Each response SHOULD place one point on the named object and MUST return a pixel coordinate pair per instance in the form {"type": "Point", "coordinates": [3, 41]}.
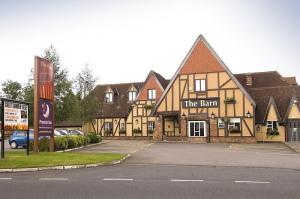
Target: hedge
{"type": "Point", "coordinates": [68, 142]}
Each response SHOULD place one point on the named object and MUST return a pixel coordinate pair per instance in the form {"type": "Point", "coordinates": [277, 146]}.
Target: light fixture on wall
{"type": "Point", "coordinates": [137, 121]}
{"type": "Point", "coordinates": [258, 128]}
{"type": "Point", "coordinates": [116, 121]}
{"type": "Point", "coordinates": [183, 116]}
{"type": "Point", "coordinates": [212, 115]}
{"type": "Point", "coordinates": [248, 114]}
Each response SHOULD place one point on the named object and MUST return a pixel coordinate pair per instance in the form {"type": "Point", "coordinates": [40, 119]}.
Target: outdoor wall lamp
{"type": "Point", "coordinates": [248, 114]}
{"type": "Point", "coordinates": [115, 121]}
{"type": "Point", "coordinates": [258, 128]}
{"type": "Point", "coordinates": [136, 121]}
{"type": "Point", "coordinates": [212, 115]}
{"type": "Point", "coordinates": [183, 116]}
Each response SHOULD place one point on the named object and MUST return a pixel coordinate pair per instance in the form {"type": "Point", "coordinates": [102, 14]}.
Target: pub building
{"type": "Point", "coordinates": [203, 102]}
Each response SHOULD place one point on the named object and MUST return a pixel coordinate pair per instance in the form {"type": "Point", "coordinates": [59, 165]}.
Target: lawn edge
{"type": "Point", "coordinates": [64, 167]}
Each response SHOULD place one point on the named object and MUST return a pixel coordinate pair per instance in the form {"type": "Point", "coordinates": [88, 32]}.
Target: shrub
{"type": "Point", "coordinates": [72, 142]}
{"type": "Point", "coordinates": [60, 143]}
{"type": "Point", "coordinates": [44, 144]}
{"type": "Point", "coordinates": [93, 138]}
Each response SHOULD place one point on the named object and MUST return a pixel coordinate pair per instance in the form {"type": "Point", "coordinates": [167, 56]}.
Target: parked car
{"type": "Point", "coordinates": [63, 132]}
{"type": "Point", "coordinates": [76, 132]}
{"type": "Point", "coordinates": [57, 133]}
{"type": "Point", "coordinates": [19, 138]}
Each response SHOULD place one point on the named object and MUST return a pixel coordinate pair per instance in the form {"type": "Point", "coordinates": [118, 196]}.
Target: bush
{"type": "Point", "coordinates": [72, 142]}
{"type": "Point", "coordinates": [67, 142]}
{"type": "Point", "coordinates": [60, 143]}
{"type": "Point", "coordinates": [44, 144]}
{"type": "Point", "coordinates": [93, 138]}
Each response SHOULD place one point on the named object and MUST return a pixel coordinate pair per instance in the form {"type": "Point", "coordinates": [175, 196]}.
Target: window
{"type": "Point", "coordinates": [108, 97]}
{"type": "Point", "coordinates": [249, 80]}
{"type": "Point", "coordinates": [234, 125]}
{"type": "Point", "coordinates": [108, 126]}
{"type": "Point", "coordinates": [197, 129]}
{"type": "Point", "coordinates": [271, 125]}
{"type": "Point", "coordinates": [221, 124]}
{"type": "Point", "coordinates": [122, 126]}
{"type": "Point", "coordinates": [200, 85]}
{"type": "Point", "coordinates": [131, 96]}
{"type": "Point", "coordinates": [151, 94]}
{"type": "Point", "coordinates": [150, 126]}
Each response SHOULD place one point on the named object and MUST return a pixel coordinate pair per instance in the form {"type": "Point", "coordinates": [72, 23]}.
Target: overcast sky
{"type": "Point", "coordinates": [123, 40]}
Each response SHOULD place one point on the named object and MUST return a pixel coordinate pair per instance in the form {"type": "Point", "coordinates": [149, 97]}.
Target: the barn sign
{"type": "Point", "coordinates": [201, 103]}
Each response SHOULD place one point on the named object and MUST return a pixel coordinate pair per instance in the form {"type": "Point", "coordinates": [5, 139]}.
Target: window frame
{"type": "Point", "coordinates": [152, 126]}
{"type": "Point", "coordinates": [109, 99]}
{"type": "Point", "coordinates": [221, 124]}
{"type": "Point", "coordinates": [199, 122]}
{"type": "Point", "coordinates": [200, 85]}
{"type": "Point", "coordinates": [131, 96]}
{"type": "Point", "coordinates": [270, 125]}
{"type": "Point", "coordinates": [110, 126]}
{"type": "Point", "coordinates": [151, 94]}
{"type": "Point", "coordinates": [233, 125]}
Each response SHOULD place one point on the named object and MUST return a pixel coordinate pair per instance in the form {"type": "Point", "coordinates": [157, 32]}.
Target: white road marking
{"type": "Point", "coordinates": [185, 180]}
{"type": "Point", "coordinates": [254, 182]}
{"type": "Point", "coordinates": [53, 179]}
{"type": "Point", "coordinates": [5, 178]}
{"type": "Point", "coordinates": [117, 179]}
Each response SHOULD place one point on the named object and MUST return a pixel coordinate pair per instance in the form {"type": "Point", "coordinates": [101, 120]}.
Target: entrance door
{"type": "Point", "coordinates": [197, 129]}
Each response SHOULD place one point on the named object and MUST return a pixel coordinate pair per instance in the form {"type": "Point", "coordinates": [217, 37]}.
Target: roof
{"type": "Point", "coordinates": [263, 79]}
{"type": "Point", "coordinates": [121, 106]}
{"type": "Point", "coordinates": [220, 63]}
{"type": "Point", "coordinates": [270, 88]}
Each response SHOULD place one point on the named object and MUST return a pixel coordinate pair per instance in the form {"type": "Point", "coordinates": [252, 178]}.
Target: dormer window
{"type": "Point", "coordinates": [272, 125]}
{"type": "Point", "coordinates": [151, 94]}
{"type": "Point", "coordinates": [131, 96]}
{"type": "Point", "coordinates": [109, 97]}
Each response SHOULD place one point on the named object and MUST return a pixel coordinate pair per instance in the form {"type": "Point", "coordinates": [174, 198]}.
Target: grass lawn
{"type": "Point", "coordinates": [18, 159]}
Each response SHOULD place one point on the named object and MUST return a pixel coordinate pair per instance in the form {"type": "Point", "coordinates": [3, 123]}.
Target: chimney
{"type": "Point", "coordinates": [249, 80]}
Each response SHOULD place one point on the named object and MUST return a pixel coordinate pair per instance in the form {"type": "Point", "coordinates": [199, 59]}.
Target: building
{"type": "Point", "coordinates": [203, 102]}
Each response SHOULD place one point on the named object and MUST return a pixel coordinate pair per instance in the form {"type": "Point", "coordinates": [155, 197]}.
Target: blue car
{"type": "Point", "coordinates": [19, 138]}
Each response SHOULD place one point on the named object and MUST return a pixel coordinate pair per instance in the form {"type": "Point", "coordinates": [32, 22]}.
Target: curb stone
{"type": "Point", "coordinates": [65, 167]}
{"type": "Point", "coordinates": [82, 147]}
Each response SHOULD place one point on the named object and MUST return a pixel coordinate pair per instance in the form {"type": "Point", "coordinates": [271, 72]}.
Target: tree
{"type": "Point", "coordinates": [12, 90]}
{"type": "Point", "coordinates": [28, 96]}
{"type": "Point", "coordinates": [90, 105]}
{"type": "Point", "coordinates": [85, 82]}
{"type": "Point", "coordinates": [61, 84]}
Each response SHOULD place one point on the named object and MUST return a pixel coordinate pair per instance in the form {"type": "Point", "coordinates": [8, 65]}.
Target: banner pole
{"type": "Point", "coordinates": [36, 116]}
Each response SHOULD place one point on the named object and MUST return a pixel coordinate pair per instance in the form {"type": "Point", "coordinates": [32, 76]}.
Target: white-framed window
{"type": "Point", "coordinates": [234, 125]}
{"type": "Point", "coordinates": [151, 94]}
{"type": "Point", "coordinates": [131, 96]}
{"type": "Point", "coordinates": [221, 124]}
{"type": "Point", "coordinates": [200, 85]}
{"type": "Point", "coordinates": [197, 129]}
{"type": "Point", "coordinates": [151, 126]}
{"type": "Point", "coordinates": [271, 125]}
{"type": "Point", "coordinates": [108, 97]}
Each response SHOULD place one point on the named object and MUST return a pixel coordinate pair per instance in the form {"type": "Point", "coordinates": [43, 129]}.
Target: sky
{"type": "Point", "coordinates": [122, 41]}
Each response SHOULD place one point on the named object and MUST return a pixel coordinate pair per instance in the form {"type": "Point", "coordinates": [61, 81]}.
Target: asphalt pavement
{"type": "Point", "coordinates": [153, 181]}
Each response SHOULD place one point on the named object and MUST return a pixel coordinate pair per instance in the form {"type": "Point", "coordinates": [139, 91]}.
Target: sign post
{"type": "Point", "coordinates": [14, 117]}
{"type": "Point", "coordinates": [43, 101]}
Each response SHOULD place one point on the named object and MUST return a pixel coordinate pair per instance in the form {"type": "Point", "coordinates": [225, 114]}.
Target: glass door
{"type": "Point", "coordinates": [197, 129]}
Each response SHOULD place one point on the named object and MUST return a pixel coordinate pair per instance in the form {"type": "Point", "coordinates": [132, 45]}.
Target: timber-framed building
{"type": "Point", "coordinates": [203, 102]}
